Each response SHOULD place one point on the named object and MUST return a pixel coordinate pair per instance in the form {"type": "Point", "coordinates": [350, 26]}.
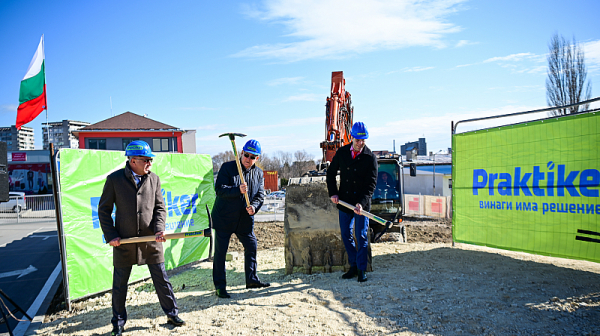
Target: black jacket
{"type": "Point", "coordinates": [358, 177]}
{"type": "Point", "coordinates": [229, 212]}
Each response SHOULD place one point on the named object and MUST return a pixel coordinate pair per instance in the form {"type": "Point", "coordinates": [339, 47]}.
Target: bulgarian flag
{"type": "Point", "coordinates": [32, 96]}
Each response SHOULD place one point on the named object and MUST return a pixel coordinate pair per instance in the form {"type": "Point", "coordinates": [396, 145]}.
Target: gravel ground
{"type": "Point", "coordinates": [422, 287]}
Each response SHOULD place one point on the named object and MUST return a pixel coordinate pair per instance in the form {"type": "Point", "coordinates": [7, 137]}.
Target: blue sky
{"type": "Point", "coordinates": [264, 68]}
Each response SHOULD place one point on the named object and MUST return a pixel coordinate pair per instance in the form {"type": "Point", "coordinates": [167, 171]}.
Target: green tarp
{"type": "Point", "coordinates": [187, 183]}
{"type": "Point", "coordinates": [530, 187]}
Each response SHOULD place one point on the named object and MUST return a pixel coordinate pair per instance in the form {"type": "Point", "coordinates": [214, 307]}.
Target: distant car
{"type": "Point", "coordinates": [276, 195]}
{"type": "Point", "coordinates": [16, 202]}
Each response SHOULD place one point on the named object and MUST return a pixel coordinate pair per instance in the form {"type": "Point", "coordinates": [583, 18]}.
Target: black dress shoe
{"type": "Point", "coordinates": [351, 273]}
{"type": "Point", "coordinates": [117, 331]}
{"type": "Point", "coordinates": [175, 320]}
{"type": "Point", "coordinates": [362, 276]}
{"type": "Point", "coordinates": [257, 285]}
{"type": "Point", "coordinates": [222, 293]}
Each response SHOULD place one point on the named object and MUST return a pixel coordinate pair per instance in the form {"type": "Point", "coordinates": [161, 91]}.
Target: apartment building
{"type": "Point", "coordinates": [17, 139]}
{"type": "Point", "coordinates": [60, 133]}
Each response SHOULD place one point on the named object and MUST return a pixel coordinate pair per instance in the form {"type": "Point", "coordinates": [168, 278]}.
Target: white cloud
{"type": "Point", "coordinates": [519, 63]}
{"type": "Point", "coordinates": [417, 69]}
{"type": "Point", "coordinates": [465, 65]}
{"type": "Point", "coordinates": [540, 69]}
{"type": "Point", "coordinates": [8, 108]}
{"type": "Point", "coordinates": [510, 58]}
{"type": "Point", "coordinates": [411, 69]}
{"type": "Point", "coordinates": [337, 29]}
{"type": "Point", "coordinates": [536, 64]}
{"type": "Point", "coordinates": [592, 55]}
{"type": "Point", "coordinates": [520, 88]}
{"type": "Point", "coordinates": [285, 80]}
{"type": "Point", "coordinates": [463, 43]}
{"type": "Point", "coordinates": [305, 97]}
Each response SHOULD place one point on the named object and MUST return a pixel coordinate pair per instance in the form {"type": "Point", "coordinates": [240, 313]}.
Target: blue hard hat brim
{"type": "Point", "coordinates": [361, 137]}
{"type": "Point", "coordinates": [252, 152]}
{"type": "Point", "coordinates": [148, 155]}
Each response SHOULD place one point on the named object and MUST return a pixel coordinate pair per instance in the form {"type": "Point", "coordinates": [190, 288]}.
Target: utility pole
{"type": "Point", "coordinates": [433, 174]}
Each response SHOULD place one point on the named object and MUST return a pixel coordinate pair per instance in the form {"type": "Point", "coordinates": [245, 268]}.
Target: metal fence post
{"type": "Point", "coordinates": [18, 209]}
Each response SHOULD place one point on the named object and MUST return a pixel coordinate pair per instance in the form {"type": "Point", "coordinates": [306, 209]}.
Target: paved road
{"type": "Point", "coordinates": [29, 254]}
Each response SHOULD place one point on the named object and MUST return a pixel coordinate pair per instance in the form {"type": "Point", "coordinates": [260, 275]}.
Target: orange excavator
{"type": "Point", "coordinates": [338, 114]}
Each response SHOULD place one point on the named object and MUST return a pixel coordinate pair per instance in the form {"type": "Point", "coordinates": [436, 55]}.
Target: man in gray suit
{"type": "Point", "coordinates": [136, 193]}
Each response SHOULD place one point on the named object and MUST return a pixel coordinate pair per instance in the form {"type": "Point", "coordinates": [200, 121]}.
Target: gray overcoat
{"type": "Point", "coordinates": [140, 212]}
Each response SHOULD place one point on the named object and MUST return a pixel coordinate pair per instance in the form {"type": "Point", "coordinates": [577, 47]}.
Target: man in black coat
{"type": "Point", "coordinates": [358, 177]}
{"type": "Point", "coordinates": [231, 215]}
{"type": "Point", "coordinates": [136, 193]}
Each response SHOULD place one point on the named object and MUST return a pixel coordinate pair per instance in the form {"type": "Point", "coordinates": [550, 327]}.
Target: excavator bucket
{"type": "Point", "coordinates": [313, 241]}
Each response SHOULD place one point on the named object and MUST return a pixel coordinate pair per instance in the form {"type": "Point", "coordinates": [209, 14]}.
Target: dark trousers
{"type": "Point", "coordinates": [163, 287]}
{"type": "Point", "coordinates": [358, 253]}
{"type": "Point", "coordinates": [248, 240]}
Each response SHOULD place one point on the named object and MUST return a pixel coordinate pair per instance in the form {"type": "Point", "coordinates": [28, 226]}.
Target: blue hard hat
{"type": "Point", "coordinates": [252, 147]}
{"type": "Point", "coordinates": [359, 131]}
{"type": "Point", "coordinates": [138, 148]}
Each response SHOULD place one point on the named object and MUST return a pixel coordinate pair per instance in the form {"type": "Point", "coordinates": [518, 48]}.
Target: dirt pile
{"type": "Point", "coordinates": [416, 289]}
{"type": "Point", "coordinates": [271, 234]}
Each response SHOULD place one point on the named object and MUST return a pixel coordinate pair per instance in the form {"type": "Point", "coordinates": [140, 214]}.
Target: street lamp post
{"type": "Point", "coordinates": [433, 174]}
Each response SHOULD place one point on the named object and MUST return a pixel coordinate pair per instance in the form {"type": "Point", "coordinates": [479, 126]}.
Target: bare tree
{"type": "Point", "coordinates": [303, 162]}
{"type": "Point", "coordinates": [267, 162]}
{"type": "Point", "coordinates": [285, 163]}
{"type": "Point", "coordinates": [567, 74]}
{"type": "Point", "coordinates": [221, 158]}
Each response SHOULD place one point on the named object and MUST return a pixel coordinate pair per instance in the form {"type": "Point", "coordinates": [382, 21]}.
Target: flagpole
{"type": "Point", "coordinates": [46, 106]}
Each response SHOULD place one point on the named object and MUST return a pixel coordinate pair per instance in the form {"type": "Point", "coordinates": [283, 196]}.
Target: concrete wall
{"type": "Point", "coordinates": [188, 139]}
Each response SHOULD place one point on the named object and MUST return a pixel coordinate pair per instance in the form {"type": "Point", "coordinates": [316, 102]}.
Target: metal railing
{"type": "Point", "coordinates": [272, 210]}
{"type": "Point", "coordinates": [22, 208]}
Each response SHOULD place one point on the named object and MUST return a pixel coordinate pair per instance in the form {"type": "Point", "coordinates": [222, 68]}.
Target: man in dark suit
{"type": "Point", "coordinates": [358, 177]}
{"type": "Point", "coordinates": [231, 215]}
{"type": "Point", "coordinates": [136, 193]}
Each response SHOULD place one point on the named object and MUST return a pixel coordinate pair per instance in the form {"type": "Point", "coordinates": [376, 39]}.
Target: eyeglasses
{"type": "Point", "coordinates": [252, 157]}
{"type": "Point", "coordinates": [145, 160]}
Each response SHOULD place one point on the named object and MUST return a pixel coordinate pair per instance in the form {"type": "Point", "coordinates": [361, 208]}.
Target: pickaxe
{"type": "Point", "coordinates": [237, 161]}
{"type": "Point", "coordinates": [387, 224]}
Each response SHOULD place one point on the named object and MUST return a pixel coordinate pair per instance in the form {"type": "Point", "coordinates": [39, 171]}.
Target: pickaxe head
{"type": "Point", "coordinates": [232, 135]}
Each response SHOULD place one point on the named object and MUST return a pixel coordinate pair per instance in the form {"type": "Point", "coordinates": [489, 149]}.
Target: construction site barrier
{"type": "Point", "coordinates": [428, 206]}
{"type": "Point", "coordinates": [272, 210]}
{"type": "Point", "coordinates": [27, 208]}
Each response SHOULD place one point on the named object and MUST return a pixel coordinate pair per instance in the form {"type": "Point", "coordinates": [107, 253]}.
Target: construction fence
{"type": "Point", "coordinates": [428, 206]}
{"type": "Point", "coordinates": [273, 210]}
{"type": "Point", "coordinates": [27, 208]}
{"type": "Point", "coordinates": [416, 205]}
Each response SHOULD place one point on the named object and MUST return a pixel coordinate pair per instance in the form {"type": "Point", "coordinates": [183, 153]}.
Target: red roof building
{"type": "Point", "coordinates": [117, 132]}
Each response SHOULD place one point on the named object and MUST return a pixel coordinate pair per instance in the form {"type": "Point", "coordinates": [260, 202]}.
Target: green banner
{"type": "Point", "coordinates": [530, 187]}
{"type": "Point", "coordinates": [187, 183]}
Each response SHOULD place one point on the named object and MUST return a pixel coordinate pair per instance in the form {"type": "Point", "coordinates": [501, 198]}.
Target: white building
{"type": "Point", "coordinates": [423, 183]}
{"type": "Point", "coordinates": [17, 139]}
{"type": "Point", "coordinates": [61, 133]}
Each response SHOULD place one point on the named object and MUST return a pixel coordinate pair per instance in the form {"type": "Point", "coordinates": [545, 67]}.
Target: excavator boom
{"type": "Point", "coordinates": [338, 114]}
